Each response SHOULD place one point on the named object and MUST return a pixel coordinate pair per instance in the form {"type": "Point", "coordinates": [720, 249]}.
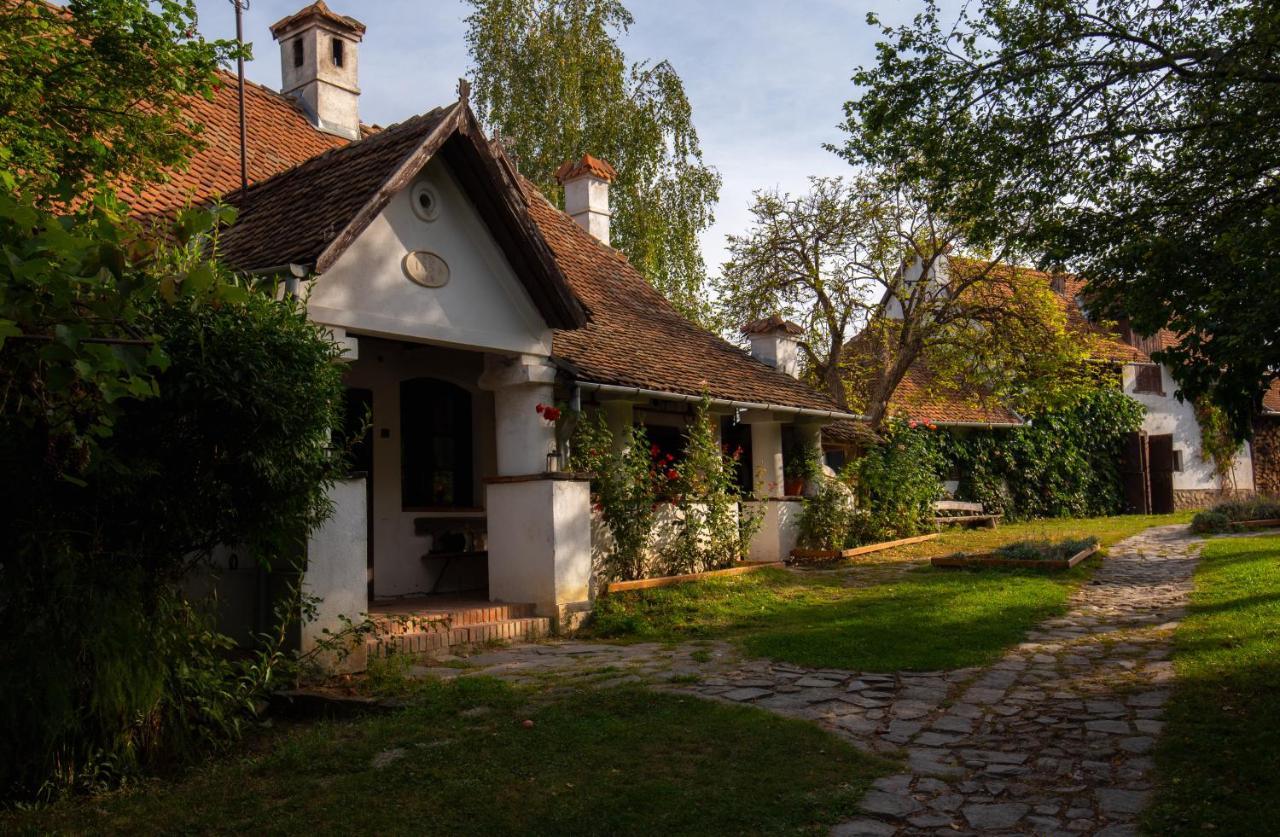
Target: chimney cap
{"type": "Point", "coordinates": [772, 324]}
{"type": "Point", "coordinates": [318, 9]}
{"type": "Point", "coordinates": [588, 165]}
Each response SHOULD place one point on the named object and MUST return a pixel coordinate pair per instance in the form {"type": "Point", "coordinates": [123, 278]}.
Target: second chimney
{"type": "Point", "coordinates": [586, 194]}
{"type": "Point", "coordinates": [318, 66]}
{"type": "Point", "coordinates": [775, 341]}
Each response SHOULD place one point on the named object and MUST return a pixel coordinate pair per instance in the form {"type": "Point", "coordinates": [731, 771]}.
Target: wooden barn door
{"type": "Point", "coordinates": [1160, 458]}
{"type": "Point", "coordinates": [1133, 475]}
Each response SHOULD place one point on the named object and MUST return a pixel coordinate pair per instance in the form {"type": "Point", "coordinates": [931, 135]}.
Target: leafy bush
{"type": "Point", "coordinates": [155, 408]}
{"type": "Point", "coordinates": [1258, 508]}
{"type": "Point", "coordinates": [827, 518]}
{"type": "Point", "coordinates": [1211, 523]}
{"type": "Point", "coordinates": [1043, 550]}
{"type": "Point", "coordinates": [1064, 464]}
{"type": "Point", "coordinates": [897, 481]}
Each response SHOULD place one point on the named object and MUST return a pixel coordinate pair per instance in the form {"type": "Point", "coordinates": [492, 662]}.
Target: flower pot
{"type": "Point", "coordinates": [793, 487]}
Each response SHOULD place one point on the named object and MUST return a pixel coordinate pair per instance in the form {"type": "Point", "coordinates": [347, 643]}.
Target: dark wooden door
{"type": "Point", "coordinates": [1160, 457]}
{"type": "Point", "coordinates": [1133, 475]}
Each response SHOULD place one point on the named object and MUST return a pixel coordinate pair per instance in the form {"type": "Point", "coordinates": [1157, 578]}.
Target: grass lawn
{"type": "Point", "coordinates": [459, 760]}
{"type": "Point", "coordinates": [921, 620]}
{"type": "Point", "coordinates": [1219, 758]}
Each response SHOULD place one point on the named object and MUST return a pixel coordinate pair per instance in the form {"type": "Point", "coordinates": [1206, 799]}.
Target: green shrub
{"type": "Point", "coordinates": [827, 518]}
{"type": "Point", "coordinates": [1211, 523]}
{"type": "Point", "coordinates": [198, 415]}
{"type": "Point", "coordinates": [1044, 550]}
{"type": "Point", "coordinates": [1258, 508]}
{"type": "Point", "coordinates": [897, 482]}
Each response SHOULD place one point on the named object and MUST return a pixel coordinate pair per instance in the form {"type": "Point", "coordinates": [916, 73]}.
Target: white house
{"type": "Point", "coordinates": [465, 299]}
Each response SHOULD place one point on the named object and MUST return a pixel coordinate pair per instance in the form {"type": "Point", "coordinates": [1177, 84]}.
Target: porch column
{"type": "Point", "coordinates": [777, 534]}
{"type": "Point", "coordinates": [539, 523]}
{"type": "Point", "coordinates": [619, 416]}
{"type": "Point", "coordinates": [810, 434]}
{"type": "Point", "coordinates": [337, 575]}
{"type": "Point", "coordinates": [519, 384]}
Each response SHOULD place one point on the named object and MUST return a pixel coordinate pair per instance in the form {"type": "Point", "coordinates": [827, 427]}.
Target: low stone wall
{"type": "Point", "coordinates": [1194, 499]}
{"type": "Point", "coordinates": [1266, 455]}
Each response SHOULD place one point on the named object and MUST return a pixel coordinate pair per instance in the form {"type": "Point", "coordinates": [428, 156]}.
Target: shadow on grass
{"type": "Point", "coordinates": [1219, 759]}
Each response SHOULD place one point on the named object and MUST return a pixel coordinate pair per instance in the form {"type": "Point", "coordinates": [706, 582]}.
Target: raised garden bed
{"type": "Point", "coordinates": [1005, 557]}
{"type": "Point", "coordinates": [668, 580]}
{"type": "Point", "coordinates": [798, 555]}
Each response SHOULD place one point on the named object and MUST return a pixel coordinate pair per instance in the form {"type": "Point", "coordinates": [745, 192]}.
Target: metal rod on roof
{"type": "Point", "coordinates": [241, 5]}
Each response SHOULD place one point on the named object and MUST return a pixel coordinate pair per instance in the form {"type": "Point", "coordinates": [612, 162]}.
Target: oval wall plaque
{"type": "Point", "coordinates": [426, 269]}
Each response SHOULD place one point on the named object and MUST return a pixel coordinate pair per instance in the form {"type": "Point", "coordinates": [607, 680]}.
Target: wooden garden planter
{"type": "Point", "coordinates": [668, 580]}
{"type": "Point", "coordinates": [992, 559]}
{"type": "Point", "coordinates": [834, 554]}
{"type": "Point", "coordinates": [1258, 524]}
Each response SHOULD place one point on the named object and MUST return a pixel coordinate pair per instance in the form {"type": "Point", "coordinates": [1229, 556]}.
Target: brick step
{"type": "Point", "coordinates": [440, 639]}
{"type": "Point", "coordinates": [393, 624]}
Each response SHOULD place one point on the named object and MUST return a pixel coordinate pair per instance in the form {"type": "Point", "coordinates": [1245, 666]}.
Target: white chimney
{"type": "Point", "coordinates": [318, 66]}
{"type": "Point", "coordinates": [586, 193]}
{"type": "Point", "coordinates": [775, 341]}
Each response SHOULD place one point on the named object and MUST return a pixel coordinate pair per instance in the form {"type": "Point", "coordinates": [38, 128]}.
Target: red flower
{"type": "Point", "coordinates": [551, 413]}
{"type": "Point", "coordinates": [540, 408]}
{"type": "Point", "coordinates": [671, 458]}
{"type": "Point", "coordinates": [654, 450]}
{"type": "Point", "coordinates": [911, 424]}
{"type": "Point", "coordinates": [932, 426]}
{"type": "Point", "coordinates": [673, 474]}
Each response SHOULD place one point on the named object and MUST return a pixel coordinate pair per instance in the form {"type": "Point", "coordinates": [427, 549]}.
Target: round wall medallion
{"type": "Point", "coordinates": [426, 269]}
{"type": "Point", "coordinates": [424, 201]}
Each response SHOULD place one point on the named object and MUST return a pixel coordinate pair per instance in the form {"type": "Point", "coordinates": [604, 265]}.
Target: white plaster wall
{"type": "Point", "coordinates": [483, 306]}
{"type": "Point", "coordinates": [1166, 414]}
{"type": "Point", "coordinates": [336, 569]}
{"type": "Point", "coordinates": [382, 366]}
{"type": "Point", "coordinates": [540, 543]}
{"type": "Point", "coordinates": [779, 529]}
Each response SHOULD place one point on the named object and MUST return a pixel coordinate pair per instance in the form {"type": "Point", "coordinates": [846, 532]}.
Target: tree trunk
{"type": "Point", "coordinates": [886, 384]}
{"type": "Point", "coordinates": [832, 376]}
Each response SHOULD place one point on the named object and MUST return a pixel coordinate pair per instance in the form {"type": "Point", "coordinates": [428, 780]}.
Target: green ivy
{"type": "Point", "coordinates": [1065, 463]}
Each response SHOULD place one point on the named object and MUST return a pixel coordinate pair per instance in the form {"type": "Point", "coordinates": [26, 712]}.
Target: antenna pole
{"type": "Point", "coordinates": [241, 5]}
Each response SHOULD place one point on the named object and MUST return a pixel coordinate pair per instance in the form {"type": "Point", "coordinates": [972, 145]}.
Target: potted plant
{"type": "Point", "coordinates": [800, 465]}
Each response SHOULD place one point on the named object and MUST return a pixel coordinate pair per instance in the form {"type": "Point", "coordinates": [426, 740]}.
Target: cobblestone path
{"type": "Point", "coordinates": [1055, 738]}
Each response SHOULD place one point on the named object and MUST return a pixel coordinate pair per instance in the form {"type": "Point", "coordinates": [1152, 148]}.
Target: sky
{"type": "Point", "coordinates": [766, 78]}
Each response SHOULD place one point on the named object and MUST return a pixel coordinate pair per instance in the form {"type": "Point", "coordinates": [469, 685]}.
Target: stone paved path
{"type": "Point", "coordinates": [1055, 738]}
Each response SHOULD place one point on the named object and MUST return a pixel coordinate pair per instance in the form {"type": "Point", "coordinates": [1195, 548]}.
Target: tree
{"type": "Point", "coordinates": [868, 256]}
{"type": "Point", "coordinates": [91, 93]}
{"type": "Point", "coordinates": [550, 79]}
{"type": "Point", "coordinates": [1134, 142]}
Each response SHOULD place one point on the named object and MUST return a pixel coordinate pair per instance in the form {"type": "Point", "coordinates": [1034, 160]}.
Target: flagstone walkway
{"type": "Point", "coordinates": [1055, 738]}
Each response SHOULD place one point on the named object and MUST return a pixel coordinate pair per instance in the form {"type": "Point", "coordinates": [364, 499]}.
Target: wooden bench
{"type": "Point", "coordinates": [956, 512]}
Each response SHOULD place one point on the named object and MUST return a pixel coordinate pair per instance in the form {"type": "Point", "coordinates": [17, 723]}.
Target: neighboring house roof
{"type": "Point", "coordinates": [279, 137]}
{"type": "Point", "coordinates": [1106, 344]}
{"type": "Point", "coordinates": [1271, 399]}
{"type": "Point", "coordinates": [297, 208]}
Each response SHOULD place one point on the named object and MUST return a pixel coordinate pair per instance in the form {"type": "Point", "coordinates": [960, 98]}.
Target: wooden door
{"type": "Point", "coordinates": [1160, 457]}
{"type": "Point", "coordinates": [1133, 475]}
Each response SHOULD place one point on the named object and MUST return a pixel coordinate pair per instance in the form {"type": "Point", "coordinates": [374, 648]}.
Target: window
{"type": "Point", "coordinates": [1149, 380]}
{"type": "Point", "coordinates": [435, 445]}
{"type": "Point", "coordinates": [1177, 462]}
{"type": "Point", "coordinates": [297, 52]}
{"type": "Point", "coordinates": [336, 47]}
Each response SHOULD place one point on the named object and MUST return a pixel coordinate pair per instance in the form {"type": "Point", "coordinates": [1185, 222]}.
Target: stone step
{"type": "Point", "coordinates": [394, 624]}
{"type": "Point", "coordinates": [442, 638]}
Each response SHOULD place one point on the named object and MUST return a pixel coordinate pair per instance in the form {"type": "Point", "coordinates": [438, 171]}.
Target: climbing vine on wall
{"type": "Point", "coordinates": [1065, 463]}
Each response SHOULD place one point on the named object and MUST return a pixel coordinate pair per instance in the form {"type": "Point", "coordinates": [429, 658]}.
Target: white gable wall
{"type": "Point", "coordinates": [483, 306]}
{"type": "Point", "coordinates": [1166, 414]}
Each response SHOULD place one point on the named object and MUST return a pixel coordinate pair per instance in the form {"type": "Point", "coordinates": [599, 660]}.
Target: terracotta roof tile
{"type": "Point", "coordinates": [1271, 398]}
{"type": "Point", "coordinates": [280, 137]}
{"type": "Point", "coordinates": [770, 324]}
{"type": "Point", "coordinates": [320, 10]}
{"type": "Point", "coordinates": [587, 165]}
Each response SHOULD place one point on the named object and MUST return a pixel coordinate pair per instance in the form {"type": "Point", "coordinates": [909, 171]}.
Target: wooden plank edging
{"type": "Point", "coordinates": [1258, 524]}
{"type": "Point", "coordinates": [860, 550]}
{"type": "Point", "coordinates": [992, 559]}
{"type": "Point", "coordinates": [668, 580]}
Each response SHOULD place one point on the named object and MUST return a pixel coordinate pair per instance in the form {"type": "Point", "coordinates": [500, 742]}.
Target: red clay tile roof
{"type": "Point", "coordinates": [770, 324]}
{"type": "Point", "coordinates": [637, 339]}
{"type": "Point", "coordinates": [587, 165]}
{"type": "Point", "coordinates": [1271, 398]}
{"type": "Point", "coordinates": [1107, 345]}
{"type": "Point", "coordinates": [280, 137]}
